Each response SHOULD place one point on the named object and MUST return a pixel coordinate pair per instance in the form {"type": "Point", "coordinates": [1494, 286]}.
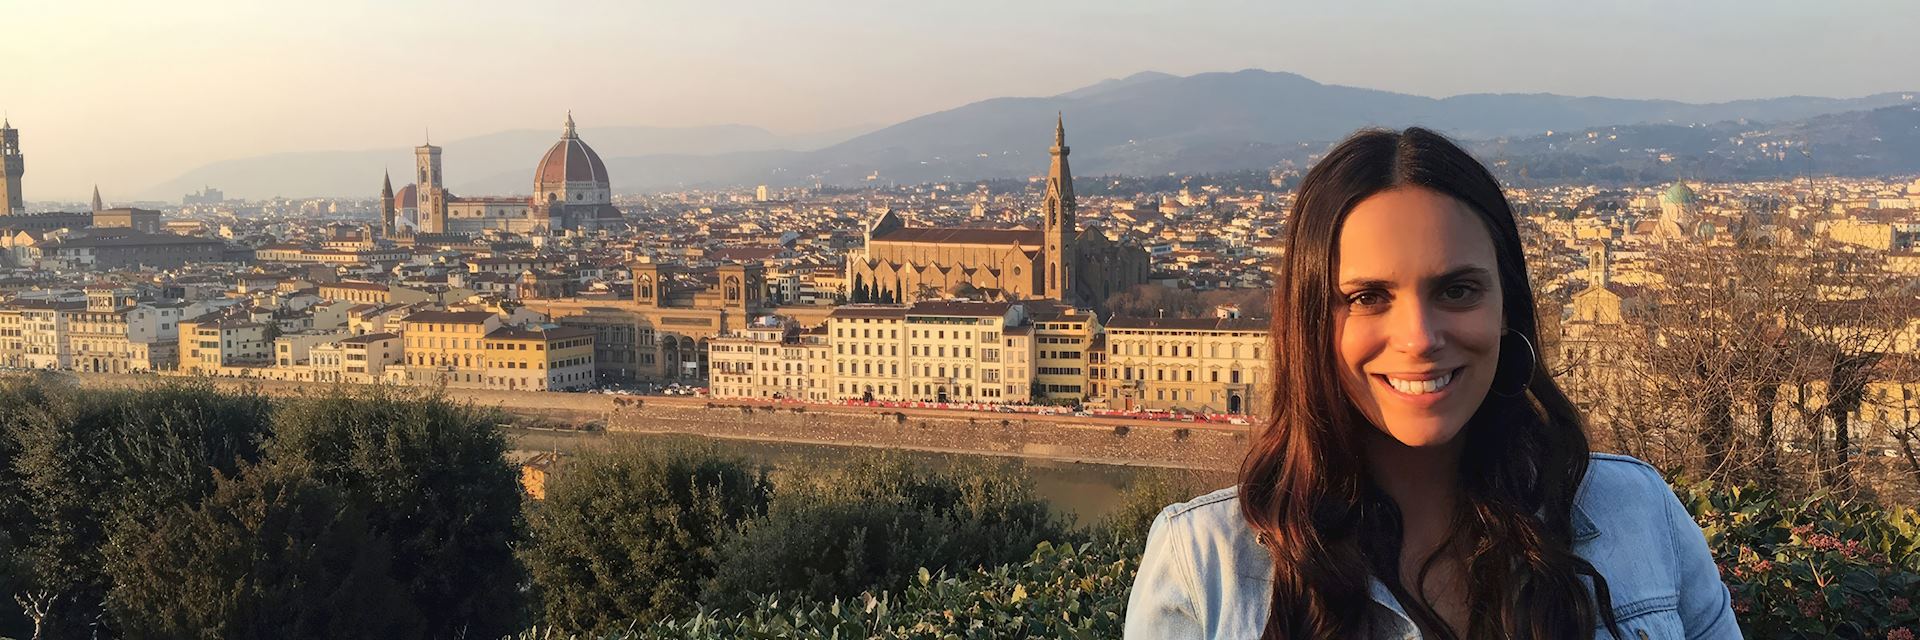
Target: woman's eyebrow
{"type": "Point", "coordinates": [1450, 274]}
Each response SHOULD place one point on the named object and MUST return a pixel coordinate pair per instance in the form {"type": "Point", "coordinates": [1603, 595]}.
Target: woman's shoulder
{"type": "Point", "coordinates": [1210, 523]}
{"type": "Point", "coordinates": [1209, 505]}
{"type": "Point", "coordinates": [1616, 474]}
{"type": "Point", "coordinates": [1212, 515]}
{"type": "Point", "coordinates": [1621, 495]}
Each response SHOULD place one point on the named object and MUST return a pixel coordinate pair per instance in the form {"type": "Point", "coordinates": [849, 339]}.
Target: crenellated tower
{"type": "Point", "coordinates": [12, 166]}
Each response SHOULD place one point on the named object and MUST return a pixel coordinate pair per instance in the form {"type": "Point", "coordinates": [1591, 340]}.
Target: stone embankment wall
{"type": "Point", "coordinates": [1058, 437]}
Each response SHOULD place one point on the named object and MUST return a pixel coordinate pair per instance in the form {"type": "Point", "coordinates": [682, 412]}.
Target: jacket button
{"type": "Point", "coordinates": [1643, 634]}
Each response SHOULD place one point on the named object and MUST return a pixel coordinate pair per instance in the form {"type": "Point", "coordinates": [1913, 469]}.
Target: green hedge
{"type": "Point", "coordinates": [1818, 567]}
{"type": "Point", "coordinates": [1057, 592]}
{"type": "Point", "coordinates": [1815, 568]}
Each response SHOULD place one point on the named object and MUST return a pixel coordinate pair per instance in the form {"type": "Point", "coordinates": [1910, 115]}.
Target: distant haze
{"type": "Point", "coordinates": [134, 95]}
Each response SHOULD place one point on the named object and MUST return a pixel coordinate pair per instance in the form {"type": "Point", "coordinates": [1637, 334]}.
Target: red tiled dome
{"type": "Point", "coordinates": [570, 160]}
{"type": "Point", "coordinates": [407, 198]}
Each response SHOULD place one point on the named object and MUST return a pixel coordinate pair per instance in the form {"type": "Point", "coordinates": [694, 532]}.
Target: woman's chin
{"type": "Point", "coordinates": [1424, 435]}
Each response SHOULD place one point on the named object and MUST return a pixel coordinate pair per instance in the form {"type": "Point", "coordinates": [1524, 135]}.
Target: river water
{"type": "Point", "coordinates": [1088, 491]}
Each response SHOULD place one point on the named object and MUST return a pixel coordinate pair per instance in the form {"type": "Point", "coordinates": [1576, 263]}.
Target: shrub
{"type": "Point", "coordinates": [871, 524]}
{"type": "Point", "coordinates": [630, 533]}
{"type": "Point", "coordinates": [88, 461]}
{"type": "Point", "coordinates": [1056, 591]}
{"type": "Point", "coordinates": [268, 555]}
{"type": "Point", "coordinates": [438, 487]}
{"type": "Point", "coordinates": [1151, 491]}
{"type": "Point", "coordinates": [1818, 567]}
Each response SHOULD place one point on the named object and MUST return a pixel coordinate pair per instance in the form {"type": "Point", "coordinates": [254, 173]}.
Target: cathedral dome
{"type": "Point", "coordinates": [1680, 194]}
{"type": "Point", "coordinates": [407, 198]}
{"type": "Point", "coordinates": [569, 161]}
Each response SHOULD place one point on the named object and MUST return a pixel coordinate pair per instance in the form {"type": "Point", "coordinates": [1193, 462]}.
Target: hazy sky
{"type": "Point", "coordinates": [130, 94]}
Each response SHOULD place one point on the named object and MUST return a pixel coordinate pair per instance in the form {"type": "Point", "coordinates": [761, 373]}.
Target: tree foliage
{"type": "Point", "coordinates": [271, 554]}
{"type": "Point", "coordinates": [437, 487]}
{"type": "Point", "coordinates": [89, 462]}
{"type": "Point", "coordinates": [873, 523]}
{"type": "Point", "coordinates": [631, 533]}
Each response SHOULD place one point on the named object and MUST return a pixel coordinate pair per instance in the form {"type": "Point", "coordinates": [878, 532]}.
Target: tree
{"type": "Point", "coordinates": [631, 533]}
{"type": "Point", "coordinates": [860, 294]}
{"type": "Point", "coordinates": [93, 461]}
{"type": "Point", "coordinates": [271, 554]}
{"type": "Point", "coordinates": [874, 523]}
{"type": "Point", "coordinates": [437, 486]}
{"type": "Point", "coordinates": [1850, 328]}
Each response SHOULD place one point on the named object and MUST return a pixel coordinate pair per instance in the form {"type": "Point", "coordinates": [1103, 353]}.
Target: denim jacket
{"type": "Point", "coordinates": [1203, 576]}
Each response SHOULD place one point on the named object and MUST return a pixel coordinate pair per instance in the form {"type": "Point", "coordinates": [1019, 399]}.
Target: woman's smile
{"type": "Point", "coordinates": [1423, 389]}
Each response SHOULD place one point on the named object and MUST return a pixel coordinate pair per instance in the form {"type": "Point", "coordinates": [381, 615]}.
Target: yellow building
{"type": "Point", "coordinates": [538, 470]}
{"type": "Point", "coordinates": [1884, 230]}
{"type": "Point", "coordinates": [216, 342]}
{"type": "Point", "coordinates": [1061, 339]}
{"type": "Point", "coordinates": [955, 351]}
{"type": "Point", "coordinates": [447, 347]}
{"type": "Point", "coordinates": [13, 345]}
{"type": "Point", "coordinates": [768, 361]}
{"type": "Point", "coordinates": [546, 358]}
{"type": "Point", "coordinates": [1201, 365]}
{"type": "Point", "coordinates": [931, 351]}
{"type": "Point", "coordinates": [869, 355]}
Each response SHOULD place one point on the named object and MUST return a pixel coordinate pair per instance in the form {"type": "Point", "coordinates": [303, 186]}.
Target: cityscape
{"type": "Point", "coordinates": [937, 294]}
{"type": "Point", "coordinates": [662, 321]}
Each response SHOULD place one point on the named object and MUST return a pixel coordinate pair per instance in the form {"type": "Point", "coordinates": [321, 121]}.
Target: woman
{"type": "Point", "coordinates": [1421, 475]}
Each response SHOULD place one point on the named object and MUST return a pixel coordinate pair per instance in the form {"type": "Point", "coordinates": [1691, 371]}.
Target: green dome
{"type": "Point", "coordinates": [1679, 193]}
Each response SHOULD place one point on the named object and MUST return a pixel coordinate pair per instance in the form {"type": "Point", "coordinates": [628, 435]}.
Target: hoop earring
{"type": "Point", "coordinates": [1532, 356]}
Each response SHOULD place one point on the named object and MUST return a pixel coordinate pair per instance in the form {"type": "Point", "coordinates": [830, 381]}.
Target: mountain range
{"type": "Point", "coordinates": [1145, 124]}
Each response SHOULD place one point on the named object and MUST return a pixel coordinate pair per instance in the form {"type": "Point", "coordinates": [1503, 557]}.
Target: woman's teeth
{"type": "Point", "coordinates": [1418, 387]}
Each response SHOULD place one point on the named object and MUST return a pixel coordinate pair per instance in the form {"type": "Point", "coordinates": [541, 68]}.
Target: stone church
{"type": "Point", "coordinates": [1059, 261]}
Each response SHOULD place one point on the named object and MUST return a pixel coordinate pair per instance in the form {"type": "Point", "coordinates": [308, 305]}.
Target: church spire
{"type": "Point", "coordinates": [1056, 210]}
{"type": "Point", "coordinates": [1058, 201]}
{"type": "Point", "coordinates": [386, 184]}
{"type": "Point", "coordinates": [568, 133]}
{"type": "Point", "coordinates": [96, 200]}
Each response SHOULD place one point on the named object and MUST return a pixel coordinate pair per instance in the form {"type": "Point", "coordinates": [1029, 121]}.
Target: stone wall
{"type": "Point", "coordinates": [1100, 440]}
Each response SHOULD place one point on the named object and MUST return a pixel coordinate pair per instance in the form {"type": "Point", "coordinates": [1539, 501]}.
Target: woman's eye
{"type": "Point", "coordinates": [1366, 300]}
{"type": "Point", "coordinates": [1460, 293]}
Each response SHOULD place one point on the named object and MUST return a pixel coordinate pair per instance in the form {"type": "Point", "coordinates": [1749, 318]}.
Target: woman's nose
{"type": "Point", "coordinates": [1418, 330]}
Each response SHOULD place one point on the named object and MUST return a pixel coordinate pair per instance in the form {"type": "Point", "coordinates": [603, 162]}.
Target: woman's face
{"type": "Point", "coordinates": [1417, 316]}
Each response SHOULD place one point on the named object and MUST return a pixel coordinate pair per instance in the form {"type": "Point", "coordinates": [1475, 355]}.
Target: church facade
{"type": "Point", "coordinates": [571, 192]}
{"type": "Point", "coordinates": [1059, 261]}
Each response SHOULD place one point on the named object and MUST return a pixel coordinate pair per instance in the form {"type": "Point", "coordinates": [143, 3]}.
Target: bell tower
{"type": "Point", "coordinates": [431, 197]}
{"type": "Point", "coordinates": [12, 166]}
{"type": "Point", "coordinates": [1058, 207]}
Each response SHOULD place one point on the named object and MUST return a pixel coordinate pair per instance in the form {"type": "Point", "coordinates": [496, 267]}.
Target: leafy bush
{"type": "Point", "coordinates": [268, 555]}
{"type": "Point", "coordinates": [85, 463]}
{"type": "Point", "coordinates": [1818, 567]}
{"type": "Point", "coordinates": [630, 533]}
{"type": "Point", "coordinates": [437, 485]}
{"type": "Point", "coordinates": [872, 524]}
{"type": "Point", "coordinates": [1054, 592]}
{"type": "Point", "coordinates": [1148, 493]}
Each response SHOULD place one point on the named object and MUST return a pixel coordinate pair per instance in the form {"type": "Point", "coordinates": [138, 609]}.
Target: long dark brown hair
{"type": "Point", "coordinates": [1304, 485]}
